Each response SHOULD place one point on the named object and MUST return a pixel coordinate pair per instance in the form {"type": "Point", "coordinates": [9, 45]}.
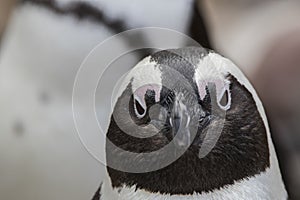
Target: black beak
{"type": "Point", "coordinates": [180, 122]}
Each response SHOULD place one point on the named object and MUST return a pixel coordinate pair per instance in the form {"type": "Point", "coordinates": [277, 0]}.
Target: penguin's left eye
{"type": "Point", "coordinates": [224, 99]}
{"type": "Point", "coordinates": [144, 97]}
{"type": "Point", "coordinates": [139, 108]}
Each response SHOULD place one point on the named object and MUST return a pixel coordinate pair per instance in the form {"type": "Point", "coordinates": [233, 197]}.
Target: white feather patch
{"type": "Point", "coordinates": [254, 188]}
{"type": "Point", "coordinates": [210, 71]}
{"type": "Point", "coordinates": [144, 73]}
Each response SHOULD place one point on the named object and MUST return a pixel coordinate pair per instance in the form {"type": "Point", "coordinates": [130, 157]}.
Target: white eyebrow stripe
{"type": "Point", "coordinates": [207, 71]}
{"type": "Point", "coordinates": [140, 93]}
{"type": "Point", "coordinates": [202, 89]}
{"type": "Point", "coordinates": [221, 86]}
{"type": "Point", "coordinates": [146, 72]}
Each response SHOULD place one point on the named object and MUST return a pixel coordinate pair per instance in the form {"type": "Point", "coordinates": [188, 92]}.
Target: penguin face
{"type": "Point", "coordinates": [192, 100]}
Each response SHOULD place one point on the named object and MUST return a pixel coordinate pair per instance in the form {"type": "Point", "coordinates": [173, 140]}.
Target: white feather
{"type": "Point", "coordinates": [145, 72]}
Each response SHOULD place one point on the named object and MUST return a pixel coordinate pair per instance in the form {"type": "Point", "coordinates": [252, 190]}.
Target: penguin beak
{"type": "Point", "coordinates": [180, 121]}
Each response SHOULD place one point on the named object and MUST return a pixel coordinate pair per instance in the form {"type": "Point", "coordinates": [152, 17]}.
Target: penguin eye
{"type": "Point", "coordinates": [222, 91]}
{"type": "Point", "coordinates": [224, 100]}
{"type": "Point", "coordinates": [139, 108]}
{"type": "Point", "coordinates": [144, 97]}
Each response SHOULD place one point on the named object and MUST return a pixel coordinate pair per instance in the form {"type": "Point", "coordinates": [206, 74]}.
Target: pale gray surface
{"type": "Point", "coordinates": [244, 30]}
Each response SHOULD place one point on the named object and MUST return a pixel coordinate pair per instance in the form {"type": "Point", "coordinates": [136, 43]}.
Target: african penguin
{"type": "Point", "coordinates": [201, 107]}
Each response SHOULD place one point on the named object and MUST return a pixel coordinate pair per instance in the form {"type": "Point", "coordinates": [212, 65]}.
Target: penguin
{"type": "Point", "coordinates": [200, 106]}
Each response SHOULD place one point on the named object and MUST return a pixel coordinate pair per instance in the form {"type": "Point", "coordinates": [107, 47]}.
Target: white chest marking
{"type": "Point", "coordinates": [261, 187]}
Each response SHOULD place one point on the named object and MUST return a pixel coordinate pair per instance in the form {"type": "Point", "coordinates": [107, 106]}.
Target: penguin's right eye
{"type": "Point", "coordinates": [144, 97]}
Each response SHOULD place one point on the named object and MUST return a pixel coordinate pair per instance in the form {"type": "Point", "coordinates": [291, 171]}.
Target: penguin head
{"type": "Point", "coordinates": [185, 123]}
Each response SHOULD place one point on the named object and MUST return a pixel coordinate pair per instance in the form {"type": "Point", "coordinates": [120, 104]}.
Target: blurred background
{"type": "Point", "coordinates": [43, 43]}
